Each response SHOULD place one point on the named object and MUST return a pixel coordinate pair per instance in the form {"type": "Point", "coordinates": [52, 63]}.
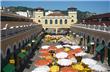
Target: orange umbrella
{"type": "Point", "coordinates": [78, 50]}
{"type": "Point", "coordinates": [43, 55]}
{"type": "Point", "coordinates": [71, 52]}
{"type": "Point", "coordinates": [52, 48]}
{"type": "Point", "coordinates": [49, 60]}
{"type": "Point", "coordinates": [59, 50]}
{"type": "Point", "coordinates": [43, 50]}
{"type": "Point", "coordinates": [70, 56]}
{"type": "Point", "coordinates": [68, 69]}
{"type": "Point", "coordinates": [41, 62]}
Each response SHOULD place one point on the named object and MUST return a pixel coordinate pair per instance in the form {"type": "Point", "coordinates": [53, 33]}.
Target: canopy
{"type": "Point", "coordinates": [64, 62]}
{"type": "Point", "coordinates": [22, 54]}
{"type": "Point", "coordinates": [99, 47]}
{"type": "Point", "coordinates": [61, 55]}
{"type": "Point", "coordinates": [41, 69]}
{"type": "Point", "coordinates": [9, 68]}
{"type": "Point", "coordinates": [41, 62]}
{"type": "Point", "coordinates": [89, 61]}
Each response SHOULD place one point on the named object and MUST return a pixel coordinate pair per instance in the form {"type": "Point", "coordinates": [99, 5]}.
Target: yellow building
{"type": "Point", "coordinates": [55, 20]}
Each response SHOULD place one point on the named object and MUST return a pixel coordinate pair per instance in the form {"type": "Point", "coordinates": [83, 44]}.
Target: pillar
{"type": "Point", "coordinates": [56, 31]}
{"type": "Point", "coordinates": [106, 54]}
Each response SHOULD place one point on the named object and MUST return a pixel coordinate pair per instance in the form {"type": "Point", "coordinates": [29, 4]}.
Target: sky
{"type": "Point", "coordinates": [91, 6]}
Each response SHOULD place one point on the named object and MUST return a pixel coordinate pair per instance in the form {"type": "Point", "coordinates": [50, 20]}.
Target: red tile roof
{"type": "Point", "coordinates": [56, 14]}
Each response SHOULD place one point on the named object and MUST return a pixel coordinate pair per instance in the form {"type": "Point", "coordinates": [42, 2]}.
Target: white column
{"type": "Point", "coordinates": [56, 30]}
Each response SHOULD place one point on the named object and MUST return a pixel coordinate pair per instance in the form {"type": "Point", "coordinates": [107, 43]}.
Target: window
{"type": "Point", "coordinates": [46, 22]}
{"type": "Point", "coordinates": [38, 20]}
{"type": "Point", "coordinates": [65, 21]}
{"type": "Point", "coordinates": [56, 21]}
{"type": "Point", "coordinates": [50, 21]}
{"type": "Point", "coordinates": [72, 20]}
{"type": "Point", "coordinates": [60, 21]}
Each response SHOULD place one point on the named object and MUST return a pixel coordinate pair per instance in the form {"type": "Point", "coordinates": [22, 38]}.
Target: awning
{"type": "Point", "coordinates": [22, 54]}
{"type": "Point", "coordinates": [88, 44]}
{"type": "Point", "coordinates": [9, 68]}
{"type": "Point", "coordinates": [37, 40]}
{"type": "Point", "coordinates": [99, 47]}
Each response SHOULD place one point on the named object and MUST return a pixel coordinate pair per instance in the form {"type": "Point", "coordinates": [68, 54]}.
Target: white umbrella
{"type": "Point", "coordinates": [98, 67]}
{"type": "Point", "coordinates": [45, 47]}
{"type": "Point", "coordinates": [59, 46]}
{"type": "Point", "coordinates": [74, 60]}
{"type": "Point", "coordinates": [67, 45]}
{"type": "Point", "coordinates": [73, 43]}
{"type": "Point", "coordinates": [81, 54]}
{"type": "Point", "coordinates": [61, 55]}
{"type": "Point", "coordinates": [64, 62]}
{"type": "Point", "coordinates": [75, 47]}
{"type": "Point", "coordinates": [42, 69]}
{"type": "Point", "coordinates": [89, 61]}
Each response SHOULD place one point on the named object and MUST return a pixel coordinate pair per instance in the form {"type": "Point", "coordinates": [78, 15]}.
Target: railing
{"type": "Point", "coordinates": [13, 31]}
{"type": "Point", "coordinates": [94, 27]}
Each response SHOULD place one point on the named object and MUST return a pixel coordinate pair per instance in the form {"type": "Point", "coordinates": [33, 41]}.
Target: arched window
{"type": "Point", "coordinates": [19, 45]}
{"type": "Point", "coordinates": [65, 21]}
{"type": "Point", "coordinates": [46, 22]}
{"type": "Point", "coordinates": [8, 53]}
{"type": "Point", "coordinates": [50, 21]}
{"type": "Point", "coordinates": [56, 21]}
{"type": "Point", "coordinates": [38, 20]}
{"type": "Point", "coordinates": [72, 20]}
{"type": "Point", "coordinates": [15, 51]}
{"type": "Point", "coordinates": [60, 21]}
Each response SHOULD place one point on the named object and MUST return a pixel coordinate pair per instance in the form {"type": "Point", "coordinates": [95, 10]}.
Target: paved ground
{"type": "Point", "coordinates": [37, 54]}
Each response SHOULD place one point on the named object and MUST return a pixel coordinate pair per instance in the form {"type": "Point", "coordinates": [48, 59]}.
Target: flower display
{"type": "Point", "coordinates": [54, 68]}
{"type": "Point", "coordinates": [78, 67]}
{"type": "Point", "coordinates": [68, 57]}
{"type": "Point", "coordinates": [67, 49]}
{"type": "Point", "coordinates": [68, 69]}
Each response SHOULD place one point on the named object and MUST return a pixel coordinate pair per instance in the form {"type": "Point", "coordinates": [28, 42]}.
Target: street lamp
{"type": "Point", "coordinates": [77, 35]}
{"type": "Point", "coordinates": [33, 41]}
{"type": "Point", "coordinates": [92, 43]}
{"type": "Point", "coordinates": [29, 45]}
{"type": "Point", "coordinates": [74, 33]}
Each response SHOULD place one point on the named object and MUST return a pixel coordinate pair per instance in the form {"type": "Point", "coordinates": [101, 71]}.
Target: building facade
{"type": "Point", "coordinates": [56, 19]}
{"type": "Point", "coordinates": [25, 14]}
{"type": "Point", "coordinates": [95, 34]}
{"type": "Point", "coordinates": [18, 35]}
